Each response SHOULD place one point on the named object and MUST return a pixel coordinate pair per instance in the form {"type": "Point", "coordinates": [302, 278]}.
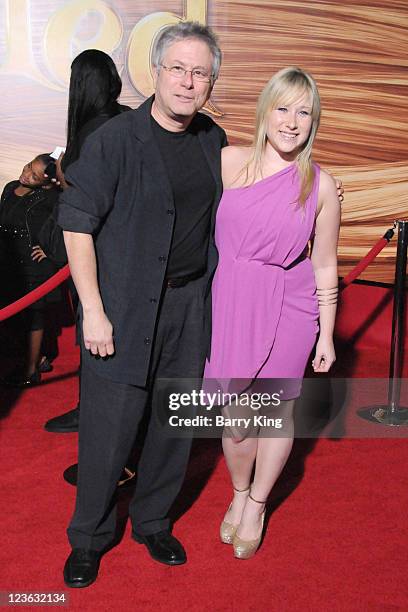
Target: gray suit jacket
{"type": "Point", "coordinates": [121, 194]}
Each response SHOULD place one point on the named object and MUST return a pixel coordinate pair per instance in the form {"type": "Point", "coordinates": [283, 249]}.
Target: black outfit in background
{"type": "Point", "coordinates": [21, 220]}
{"type": "Point", "coordinates": [122, 194]}
{"type": "Point", "coordinates": [73, 151]}
{"type": "Point", "coordinates": [51, 237]}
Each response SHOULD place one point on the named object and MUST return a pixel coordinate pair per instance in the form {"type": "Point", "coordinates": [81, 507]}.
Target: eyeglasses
{"type": "Point", "coordinates": [196, 74]}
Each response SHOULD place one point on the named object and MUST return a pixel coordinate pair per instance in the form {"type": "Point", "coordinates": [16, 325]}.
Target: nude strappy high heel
{"type": "Point", "coordinates": [245, 549]}
{"type": "Point", "coordinates": [227, 530]}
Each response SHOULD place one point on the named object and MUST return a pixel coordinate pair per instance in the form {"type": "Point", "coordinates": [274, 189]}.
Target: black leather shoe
{"type": "Point", "coordinates": [81, 568]}
{"type": "Point", "coordinates": [65, 423]}
{"type": "Point", "coordinates": [163, 547]}
{"type": "Point", "coordinates": [21, 381]}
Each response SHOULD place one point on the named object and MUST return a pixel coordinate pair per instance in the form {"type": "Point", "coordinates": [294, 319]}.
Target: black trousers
{"type": "Point", "coordinates": [109, 419]}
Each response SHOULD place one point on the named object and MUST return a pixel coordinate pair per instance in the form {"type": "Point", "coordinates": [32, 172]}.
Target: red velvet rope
{"type": "Point", "coordinates": [63, 274]}
{"type": "Point", "coordinates": [371, 255]}
{"type": "Point", "coordinates": [35, 294]}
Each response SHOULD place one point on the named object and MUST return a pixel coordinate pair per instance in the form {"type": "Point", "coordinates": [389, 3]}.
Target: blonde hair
{"type": "Point", "coordinates": [284, 88]}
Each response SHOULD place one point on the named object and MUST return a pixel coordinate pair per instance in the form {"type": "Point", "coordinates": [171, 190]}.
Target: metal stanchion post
{"type": "Point", "coordinates": [393, 414]}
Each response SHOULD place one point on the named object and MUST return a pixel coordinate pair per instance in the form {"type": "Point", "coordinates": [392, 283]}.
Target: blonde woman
{"type": "Point", "coordinates": [269, 292]}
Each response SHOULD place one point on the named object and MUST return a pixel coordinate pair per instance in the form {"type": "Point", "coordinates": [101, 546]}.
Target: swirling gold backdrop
{"type": "Point", "coordinates": [357, 51]}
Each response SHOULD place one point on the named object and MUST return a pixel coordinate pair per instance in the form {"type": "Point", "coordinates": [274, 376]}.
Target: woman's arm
{"type": "Point", "coordinates": [324, 261]}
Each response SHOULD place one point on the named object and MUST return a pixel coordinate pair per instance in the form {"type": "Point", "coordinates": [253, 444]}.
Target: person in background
{"type": "Point", "coordinates": [25, 205]}
{"type": "Point", "coordinates": [94, 89]}
{"type": "Point", "coordinates": [269, 293]}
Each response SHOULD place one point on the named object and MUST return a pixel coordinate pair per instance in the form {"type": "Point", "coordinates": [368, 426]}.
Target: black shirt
{"type": "Point", "coordinates": [21, 219]}
{"type": "Point", "coordinates": [13, 209]}
{"type": "Point", "coordinates": [193, 189]}
{"type": "Point", "coordinates": [25, 214]}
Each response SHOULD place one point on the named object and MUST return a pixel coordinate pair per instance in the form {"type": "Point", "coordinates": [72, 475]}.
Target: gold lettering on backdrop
{"type": "Point", "coordinates": [62, 41]}
{"type": "Point", "coordinates": [19, 56]}
{"type": "Point", "coordinates": [60, 34]}
{"type": "Point", "coordinates": [142, 38]}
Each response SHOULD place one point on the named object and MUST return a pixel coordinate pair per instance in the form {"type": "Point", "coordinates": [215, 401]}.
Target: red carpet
{"type": "Point", "coordinates": [336, 539]}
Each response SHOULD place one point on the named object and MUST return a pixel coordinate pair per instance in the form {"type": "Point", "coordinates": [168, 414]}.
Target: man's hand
{"type": "Point", "coordinates": [340, 189]}
{"type": "Point", "coordinates": [98, 333]}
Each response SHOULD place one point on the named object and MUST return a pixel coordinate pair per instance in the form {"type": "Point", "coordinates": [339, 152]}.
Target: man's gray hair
{"type": "Point", "coordinates": [182, 31]}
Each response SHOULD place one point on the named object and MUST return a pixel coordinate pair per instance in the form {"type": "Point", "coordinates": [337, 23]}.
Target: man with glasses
{"type": "Point", "coordinates": [138, 227]}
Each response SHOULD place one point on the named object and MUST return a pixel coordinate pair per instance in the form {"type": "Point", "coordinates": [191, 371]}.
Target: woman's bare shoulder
{"type": "Point", "coordinates": [233, 159]}
{"type": "Point", "coordinates": [327, 182]}
{"type": "Point", "coordinates": [328, 198]}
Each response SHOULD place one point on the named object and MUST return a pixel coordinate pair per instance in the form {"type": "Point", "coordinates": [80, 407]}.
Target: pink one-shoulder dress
{"type": "Point", "coordinates": [264, 304]}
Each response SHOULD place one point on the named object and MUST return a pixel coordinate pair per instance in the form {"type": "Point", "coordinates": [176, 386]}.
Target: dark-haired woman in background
{"type": "Point", "coordinates": [94, 88]}
{"type": "Point", "coordinates": [24, 207]}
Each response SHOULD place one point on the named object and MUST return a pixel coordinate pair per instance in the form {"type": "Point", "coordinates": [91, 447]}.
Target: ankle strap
{"type": "Point", "coordinates": [256, 500]}
{"type": "Point", "coordinates": [241, 490]}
